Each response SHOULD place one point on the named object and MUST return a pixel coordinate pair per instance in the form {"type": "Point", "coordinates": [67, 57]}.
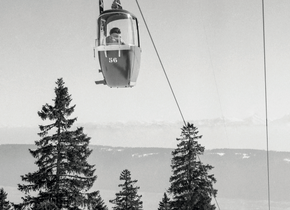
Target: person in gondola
{"type": "Point", "coordinates": [115, 37]}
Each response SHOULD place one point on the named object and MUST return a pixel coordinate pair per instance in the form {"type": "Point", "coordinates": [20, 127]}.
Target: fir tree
{"type": "Point", "coordinates": [127, 198]}
{"type": "Point", "coordinates": [4, 204]}
{"type": "Point", "coordinates": [64, 177]}
{"type": "Point", "coordinates": [191, 185]}
{"type": "Point", "coordinates": [165, 203]}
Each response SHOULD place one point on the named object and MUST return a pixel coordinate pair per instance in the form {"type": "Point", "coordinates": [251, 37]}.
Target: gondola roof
{"type": "Point", "coordinates": [105, 12]}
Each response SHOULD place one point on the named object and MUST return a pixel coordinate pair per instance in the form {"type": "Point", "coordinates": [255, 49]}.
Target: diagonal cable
{"type": "Point", "coordinates": [266, 102]}
{"type": "Point", "coordinates": [162, 65]}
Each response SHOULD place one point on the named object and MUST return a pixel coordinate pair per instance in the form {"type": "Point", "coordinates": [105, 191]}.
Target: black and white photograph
{"type": "Point", "coordinates": [139, 104]}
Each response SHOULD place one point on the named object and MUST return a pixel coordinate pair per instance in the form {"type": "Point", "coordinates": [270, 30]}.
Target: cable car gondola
{"type": "Point", "coordinates": [118, 46]}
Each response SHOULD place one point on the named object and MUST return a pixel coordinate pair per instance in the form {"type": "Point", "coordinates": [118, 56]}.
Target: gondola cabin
{"type": "Point", "coordinates": [118, 48]}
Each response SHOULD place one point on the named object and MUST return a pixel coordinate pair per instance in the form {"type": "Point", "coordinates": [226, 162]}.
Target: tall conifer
{"type": "Point", "coordinates": [64, 177]}
{"type": "Point", "coordinates": [191, 185]}
{"type": "Point", "coordinates": [127, 198]}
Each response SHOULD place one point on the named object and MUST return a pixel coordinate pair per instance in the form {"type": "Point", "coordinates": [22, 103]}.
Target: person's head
{"type": "Point", "coordinates": [115, 31]}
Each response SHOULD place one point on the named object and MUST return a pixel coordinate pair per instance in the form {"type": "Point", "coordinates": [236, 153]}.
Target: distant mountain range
{"type": "Point", "coordinates": [240, 173]}
{"type": "Point", "coordinates": [248, 133]}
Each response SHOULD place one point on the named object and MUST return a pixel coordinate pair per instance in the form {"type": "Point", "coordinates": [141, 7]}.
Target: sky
{"type": "Point", "coordinates": [212, 52]}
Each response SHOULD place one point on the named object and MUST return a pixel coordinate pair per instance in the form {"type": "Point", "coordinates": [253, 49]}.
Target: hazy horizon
{"type": "Point", "coordinates": [249, 133]}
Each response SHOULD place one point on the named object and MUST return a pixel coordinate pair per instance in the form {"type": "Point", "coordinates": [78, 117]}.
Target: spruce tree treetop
{"type": "Point", "coordinates": [4, 204]}
{"type": "Point", "coordinates": [165, 203]}
{"type": "Point", "coordinates": [191, 185]}
{"type": "Point", "coordinates": [127, 198]}
{"type": "Point", "coordinates": [64, 177]}
{"type": "Point", "coordinates": [60, 112]}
